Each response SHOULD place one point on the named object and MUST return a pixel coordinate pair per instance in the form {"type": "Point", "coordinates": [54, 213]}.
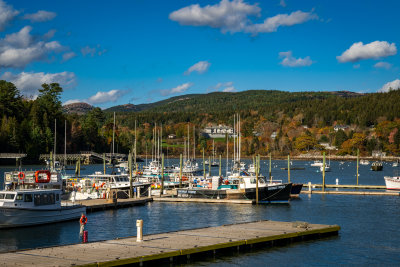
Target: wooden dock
{"type": "Point", "coordinates": [204, 200]}
{"type": "Point", "coordinates": [171, 247]}
{"type": "Point", "coordinates": [104, 204]}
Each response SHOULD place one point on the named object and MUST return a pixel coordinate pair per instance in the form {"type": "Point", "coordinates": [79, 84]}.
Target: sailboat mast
{"type": "Point", "coordinates": [188, 146]}
{"type": "Point", "coordinates": [65, 143]}
{"type": "Point", "coordinates": [113, 136]}
{"type": "Point", "coordinates": [227, 153]}
{"type": "Point", "coordinates": [234, 137]}
{"type": "Point", "coordinates": [55, 141]}
{"type": "Point", "coordinates": [194, 143]}
{"type": "Point", "coordinates": [240, 138]}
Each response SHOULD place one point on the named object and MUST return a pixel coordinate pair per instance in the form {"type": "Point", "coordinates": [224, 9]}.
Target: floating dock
{"type": "Point", "coordinates": [104, 204]}
{"type": "Point", "coordinates": [363, 193]}
{"type": "Point", "coordinates": [204, 200]}
{"type": "Point", "coordinates": [172, 246]}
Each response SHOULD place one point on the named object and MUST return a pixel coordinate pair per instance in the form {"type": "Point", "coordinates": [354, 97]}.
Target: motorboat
{"type": "Point", "coordinates": [377, 166]}
{"type": "Point", "coordinates": [34, 198]}
{"type": "Point", "coordinates": [392, 182]}
{"type": "Point", "coordinates": [327, 168]}
{"type": "Point", "coordinates": [364, 162]}
{"type": "Point", "coordinates": [316, 163]}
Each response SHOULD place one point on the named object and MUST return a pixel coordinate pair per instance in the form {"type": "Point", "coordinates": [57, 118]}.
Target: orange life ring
{"type": "Point", "coordinates": [83, 219]}
{"type": "Point", "coordinates": [39, 180]}
{"type": "Point", "coordinates": [102, 185]}
{"type": "Point", "coordinates": [226, 182]}
{"type": "Point", "coordinates": [21, 175]}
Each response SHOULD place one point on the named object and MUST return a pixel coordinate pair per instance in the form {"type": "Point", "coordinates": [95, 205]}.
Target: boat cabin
{"type": "Point", "coordinates": [38, 199]}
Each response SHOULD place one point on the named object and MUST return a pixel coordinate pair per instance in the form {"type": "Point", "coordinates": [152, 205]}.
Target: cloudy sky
{"type": "Point", "coordinates": [109, 53]}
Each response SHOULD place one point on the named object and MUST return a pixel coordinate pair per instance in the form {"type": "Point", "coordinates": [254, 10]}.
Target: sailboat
{"type": "Point", "coordinates": [214, 163]}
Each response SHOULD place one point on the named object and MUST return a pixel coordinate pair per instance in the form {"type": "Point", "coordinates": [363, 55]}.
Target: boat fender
{"type": "Point", "coordinates": [226, 182]}
{"type": "Point", "coordinates": [21, 175]}
{"type": "Point", "coordinates": [83, 219]}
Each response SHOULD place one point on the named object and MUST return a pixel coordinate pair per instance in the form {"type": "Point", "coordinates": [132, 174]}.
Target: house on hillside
{"type": "Point", "coordinates": [218, 131]}
{"type": "Point", "coordinates": [171, 136]}
{"type": "Point", "coordinates": [327, 146]}
{"type": "Point", "coordinates": [378, 154]}
{"type": "Point", "coordinates": [340, 127]}
{"type": "Point", "coordinates": [273, 135]}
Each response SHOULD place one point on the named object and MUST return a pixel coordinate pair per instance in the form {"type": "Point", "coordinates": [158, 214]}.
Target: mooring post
{"type": "Point", "coordinates": [139, 225]}
{"type": "Point", "coordinates": [209, 166]}
{"type": "Point", "coordinates": [323, 174]}
{"type": "Point", "coordinates": [288, 167]}
{"type": "Point", "coordinates": [204, 166]}
{"type": "Point", "coordinates": [358, 156]}
{"type": "Point", "coordinates": [270, 176]}
{"type": "Point", "coordinates": [220, 170]}
{"type": "Point", "coordinates": [309, 187]}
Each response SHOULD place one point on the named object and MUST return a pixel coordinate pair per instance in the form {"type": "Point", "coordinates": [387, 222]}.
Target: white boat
{"type": "Point", "coordinates": [364, 162]}
{"type": "Point", "coordinates": [34, 199]}
{"type": "Point", "coordinates": [316, 163]}
{"type": "Point", "coordinates": [395, 164]}
{"type": "Point", "coordinates": [327, 168]}
{"type": "Point", "coordinates": [392, 182]}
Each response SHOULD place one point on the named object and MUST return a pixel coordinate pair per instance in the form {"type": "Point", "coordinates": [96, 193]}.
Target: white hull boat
{"type": "Point", "coordinates": [392, 183]}
{"type": "Point", "coordinates": [34, 207]}
{"type": "Point", "coordinates": [316, 163]}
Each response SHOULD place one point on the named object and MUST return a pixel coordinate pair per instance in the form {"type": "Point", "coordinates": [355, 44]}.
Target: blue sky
{"type": "Point", "coordinates": [109, 53]}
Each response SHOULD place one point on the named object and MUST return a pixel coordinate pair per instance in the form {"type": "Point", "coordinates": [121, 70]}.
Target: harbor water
{"type": "Point", "coordinates": [369, 224]}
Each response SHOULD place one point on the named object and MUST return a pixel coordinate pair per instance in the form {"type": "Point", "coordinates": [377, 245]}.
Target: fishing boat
{"type": "Point", "coordinates": [34, 198]}
{"type": "Point", "coordinates": [392, 182]}
{"type": "Point", "coordinates": [377, 166]}
{"type": "Point", "coordinates": [241, 188]}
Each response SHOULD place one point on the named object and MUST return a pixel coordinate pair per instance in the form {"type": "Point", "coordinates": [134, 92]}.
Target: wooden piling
{"type": "Point", "coordinates": [288, 168]}
{"type": "Point", "coordinates": [358, 157]}
{"type": "Point", "coordinates": [323, 173]}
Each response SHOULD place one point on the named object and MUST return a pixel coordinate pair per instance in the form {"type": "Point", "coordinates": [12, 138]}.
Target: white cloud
{"type": "Point", "coordinates": [104, 97]}
{"type": "Point", "coordinates": [7, 14]}
{"type": "Point", "coordinates": [228, 16]}
{"type": "Point", "coordinates": [383, 65]}
{"type": "Point", "coordinates": [176, 90]}
{"type": "Point", "coordinates": [224, 87]}
{"type": "Point", "coordinates": [393, 85]}
{"type": "Point", "coordinates": [92, 51]}
{"type": "Point", "coordinates": [68, 56]}
{"type": "Point", "coordinates": [273, 23]}
{"type": "Point", "coordinates": [282, 3]}
{"type": "Point", "coordinates": [40, 16]}
{"type": "Point", "coordinates": [200, 67]}
{"type": "Point", "coordinates": [229, 89]}
{"type": "Point", "coordinates": [359, 51]}
{"type": "Point", "coordinates": [233, 16]}
{"type": "Point", "coordinates": [19, 49]}
{"type": "Point", "coordinates": [290, 61]}
{"type": "Point", "coordinates": [29, 82]}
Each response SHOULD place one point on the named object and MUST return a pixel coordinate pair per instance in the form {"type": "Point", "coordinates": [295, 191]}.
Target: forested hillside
{"type": "Point", "coordinates": [301, 122]}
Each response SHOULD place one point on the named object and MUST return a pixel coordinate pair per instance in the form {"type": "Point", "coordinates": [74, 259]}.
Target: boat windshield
{"type": "Point", "coordinates": [9, 196]}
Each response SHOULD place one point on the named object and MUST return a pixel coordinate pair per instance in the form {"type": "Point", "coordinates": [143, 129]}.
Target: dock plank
{"type": "Point", "coordinates": [163, 246]}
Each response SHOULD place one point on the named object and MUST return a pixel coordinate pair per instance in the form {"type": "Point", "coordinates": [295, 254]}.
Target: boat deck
{"type": "Point", "coordinates": [171, 246]}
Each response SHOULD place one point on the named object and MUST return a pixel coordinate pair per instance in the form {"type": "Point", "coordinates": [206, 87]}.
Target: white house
{"type": "Point", "coordinates": [219, 131]}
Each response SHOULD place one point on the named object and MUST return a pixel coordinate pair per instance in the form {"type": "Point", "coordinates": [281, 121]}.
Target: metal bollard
{"type": "Point", "coordinates": [309, 186]}
{"type": "Point", "coordinates": [139, 235]}
{"type": "Point", "coordinates": [149, 191]}
{"type": "Point", "coordinates": [337, 181]}
{"type": "Point", "coordinates": [138, 192]}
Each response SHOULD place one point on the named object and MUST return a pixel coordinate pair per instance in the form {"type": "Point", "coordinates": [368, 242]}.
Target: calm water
{"type": "Point", "coordinates": [369, 233]}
